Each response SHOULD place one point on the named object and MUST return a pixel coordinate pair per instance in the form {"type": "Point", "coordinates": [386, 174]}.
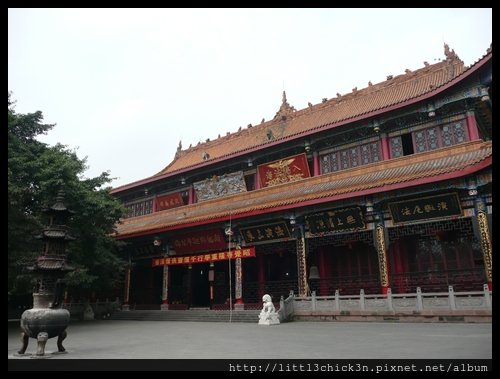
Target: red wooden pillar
{"type": "Point", "coordinates": [472, 127]}
{"type": "Point", "coordinates": [189, 299]}
{"type": "Point", "coordinates": [261, 278]}
{"type": "Point", "coordinates": [316, 167]}
{"type": "Point", "coordinates": [384, 141]}
{"type": "Point", "coordinates": [191, 195]}
{"type": "Point", "coordinates": [126, 305]}
{"type": "Point", "coordinates": [398, 266]}
{"type": "Point", "coordinates": [381, 246]}
{"type": "Point", "coordinates": [164, 293]}
{"type": "Point", "coordinates": [238, 290]}
{"type": "Point", "coordinates": [323, 284]}
{"type": "Point", "coordinates": [257, 180]}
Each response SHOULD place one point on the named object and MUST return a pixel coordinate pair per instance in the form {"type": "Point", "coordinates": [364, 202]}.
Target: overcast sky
{"type": "Point", "coordinates": [123, 86]}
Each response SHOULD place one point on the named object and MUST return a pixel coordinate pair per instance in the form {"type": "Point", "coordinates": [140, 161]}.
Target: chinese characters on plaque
{"type": "Point", "coordinates": [336, 220]}
{"type": "Point", "coordinates": [173, 200]}
{"type": "Point", "coordinates": [268, 232]}
{"type": "Point", "coordinates": [198, 241]}
{"type": "Point", "coordinates": [246, 252]}
{"type": "Point", "coordinates": [426, 208]}
{"type": "Point", "coordinates": [283, 171]}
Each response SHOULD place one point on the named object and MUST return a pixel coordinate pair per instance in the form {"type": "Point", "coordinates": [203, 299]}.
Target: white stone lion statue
{"type": "Point", "coordinates": [268, 314]}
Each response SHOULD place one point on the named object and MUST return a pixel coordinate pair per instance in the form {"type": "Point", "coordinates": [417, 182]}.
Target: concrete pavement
{"type": "Point", "coordinates": [108, 339]}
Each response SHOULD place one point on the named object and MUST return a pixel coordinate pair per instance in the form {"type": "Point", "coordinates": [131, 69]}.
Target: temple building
{"type": "Point", "coordinates": [388, 186]}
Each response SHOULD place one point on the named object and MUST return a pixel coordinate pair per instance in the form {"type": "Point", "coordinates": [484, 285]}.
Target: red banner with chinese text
{"type": "Point", "coordinates": [173, 200]}
{"type": "Point", "coordinates": [284, 170]}
{"type": "Point", "coordinates": [246, 252]}
{"type": "Point", "coordinates": [198, 241]}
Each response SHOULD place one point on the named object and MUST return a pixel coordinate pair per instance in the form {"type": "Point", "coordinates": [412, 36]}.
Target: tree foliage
{"type": "Point", "coordinates": [36, 171]}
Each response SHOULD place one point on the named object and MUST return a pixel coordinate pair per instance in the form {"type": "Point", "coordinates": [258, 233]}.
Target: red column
{"type": "Point", "coordinates": [323, 285]}
{"type": "Point", "coordinates": [154, 204]}
{"type": "Point", "coordinates": [257, 179]}
{"type": "Point", "coordinates": [472, 127]}
{"type": "Point", "coordinates": [316, 170]}
{"type": "Point", "coordinates": [238, 290]}
{"type": "Point", "coordinates": [398, 266]}
{"type": "Point", "coordinates": [191, 195]}
{"type": "Point", "coordinates": [261, 278]}
{"type": "Point", "coordinates": [384, 141]}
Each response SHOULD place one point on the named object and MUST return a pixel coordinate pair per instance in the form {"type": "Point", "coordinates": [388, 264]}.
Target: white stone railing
{"type": "Point", "coordinates": [286, 308]}
{"type": "Point", "coordinates": [408, 302]}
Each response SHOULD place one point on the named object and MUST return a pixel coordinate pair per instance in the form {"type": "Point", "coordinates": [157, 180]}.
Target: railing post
{"type": "Point", "coordinates": [420, 303]}
{"type": "Point", "coordinates": [487, 299]}
{"type": "Point", "coordinates": [451, 296]}
{"type": "Point", "coordinates": [389, 299]}
{"type": "Point", "coordinates": [362, 299]}
{"type": "Point", "coordinates": [313, 300]}
{"type": "Point", "coordinates": [337, 300]}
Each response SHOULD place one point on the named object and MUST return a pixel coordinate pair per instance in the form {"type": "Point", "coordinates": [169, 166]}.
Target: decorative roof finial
{"type": "Point", "coordinates": [285, 109]}
{"type": "Point", "coordinates": [450, 55]}
{"type": "Point", "coordinates": [179, 150]}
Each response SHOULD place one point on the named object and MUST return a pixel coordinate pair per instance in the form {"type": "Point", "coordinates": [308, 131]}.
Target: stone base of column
{"type": "Point", "coordinates": [164, 307]}
{"type": "Point", "coordinates": [239, 307]}
{"type": "Point", "coordinates": [125, 307]}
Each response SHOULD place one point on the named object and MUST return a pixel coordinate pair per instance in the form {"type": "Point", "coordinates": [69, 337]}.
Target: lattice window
{"type": "Point", "coordinates": [432, 138]}
{"type": "Point", "coordinates": [447, 135]}
{"type": "Point", "coordinates": [459, 132]}
{"type": "Point", "coordinates": [375, 151]}
{"type": "Point", "coordinates": [140, 208]}
{"type": "Point", "coordinates": [344, 160]}
{"type": "Point", "coordinates": [352, 157]}
{"type": "Point", "coordinates": [365, 154]}
{"type": "Point", "coordinates": [396, 147]}
{"type": "Point", "coordinates": [325, 164]}
{"type": "Point", "coordinates": [420, 141]}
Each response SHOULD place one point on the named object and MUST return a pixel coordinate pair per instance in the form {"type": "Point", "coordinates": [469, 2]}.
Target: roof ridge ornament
{"type": "Point", "coordinates": [179, 150]}
{"type": "Point", "coordinates": [285, 109]}
{"type": "Point", "coordinates": [450, 55]}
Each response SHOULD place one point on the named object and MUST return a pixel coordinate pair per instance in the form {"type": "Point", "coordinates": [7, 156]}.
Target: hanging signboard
{"type": "Point", "coordinates": [246, 252]}
{"type": "Point", "coordinates": [268, 232]}
{"type": "Point", "coordinates": [198, 241]}
{"type": "Point", "coordinates": [173, 200]}
{"type": "Point", "coordinates": [425, 208]}
{"type": "Point", "coordinates": [339, 220]}
{"type": "Point", "coordinates": [283, 171]}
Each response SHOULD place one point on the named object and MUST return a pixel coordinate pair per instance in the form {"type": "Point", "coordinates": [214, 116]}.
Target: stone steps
{"type": "Point", "coordinates": [250, 316]}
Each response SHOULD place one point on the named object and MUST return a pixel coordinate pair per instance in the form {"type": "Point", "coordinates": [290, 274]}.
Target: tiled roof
{"type": "Point", "coordinates": [396, 91]}
{"type": "Point", "coordinates": [359, 102]}
{"type": "Point", "coordinates": [409, 170]}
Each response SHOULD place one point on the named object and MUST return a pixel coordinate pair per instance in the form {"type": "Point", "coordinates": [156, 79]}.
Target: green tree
{"type": "Point", "coordinates": [36, 171]}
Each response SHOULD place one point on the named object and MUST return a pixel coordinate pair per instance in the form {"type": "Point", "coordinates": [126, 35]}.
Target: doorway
{"type": "Point", "coordinates": [201, 289]}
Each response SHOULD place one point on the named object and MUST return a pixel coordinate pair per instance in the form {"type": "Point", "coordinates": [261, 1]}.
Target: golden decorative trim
{"type": "Point", "coordinates": [382, 259]}
{"type": "Point", "coordinates": [484, 233]}
{"type": "Point", "coordinates": [301, 266]}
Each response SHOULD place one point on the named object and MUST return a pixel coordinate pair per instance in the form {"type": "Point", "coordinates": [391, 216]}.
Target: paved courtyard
{"type": "Point", "coordinates": [110, 339]}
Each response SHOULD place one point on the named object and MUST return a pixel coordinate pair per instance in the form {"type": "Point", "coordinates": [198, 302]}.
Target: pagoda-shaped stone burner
{"type": "Point", "coordinates": [47, 319]}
